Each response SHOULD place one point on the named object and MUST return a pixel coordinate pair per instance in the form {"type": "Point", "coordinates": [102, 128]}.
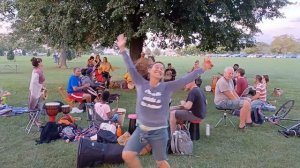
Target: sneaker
{"type": "Point", "coordinates": [76, 110]}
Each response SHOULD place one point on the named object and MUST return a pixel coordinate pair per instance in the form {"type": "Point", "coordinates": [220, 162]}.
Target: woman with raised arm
{"type": "Point", "coordinates": [152, 107]}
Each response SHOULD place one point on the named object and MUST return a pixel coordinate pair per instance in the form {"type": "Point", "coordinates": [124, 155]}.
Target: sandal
{"type": "Point", "coordinates": [242, 128]}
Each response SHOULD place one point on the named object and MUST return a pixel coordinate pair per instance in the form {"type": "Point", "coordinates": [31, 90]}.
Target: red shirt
{"type": "Point", "coordinates": [241, 85]}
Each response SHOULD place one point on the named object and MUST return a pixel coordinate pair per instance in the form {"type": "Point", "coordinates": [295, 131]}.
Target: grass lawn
{"type": "Point", "coordinates": [260, 146]}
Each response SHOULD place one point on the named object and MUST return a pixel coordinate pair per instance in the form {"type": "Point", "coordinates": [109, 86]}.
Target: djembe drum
{"type": "Point", "coordinates": [52, 109]}
{"type": "Point", "coordinates": [65, 109]}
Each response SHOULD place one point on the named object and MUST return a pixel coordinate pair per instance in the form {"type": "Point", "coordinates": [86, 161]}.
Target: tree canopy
{"type": "Point", "coordinates": [285, 44]}
{"type": "Point", "coordinates": [173, 23]}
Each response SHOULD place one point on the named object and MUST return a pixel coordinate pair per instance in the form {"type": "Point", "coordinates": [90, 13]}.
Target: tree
{"type": "Point", "coordinates": [10, 55]}
{"type": "Point", "coordinates": [284, 44]}
{"type": "Point", "coordinates": [24, 52]}
{"type": "Point", "coordinates": [209, 23]}
{"type": "Point", "coordinates": [258, 48]}
{"type": "Point", "coordinates": [48, 52]}
{"type": "Point", "coordinates": [156, 52]}
{"type": "Point", "coordinates": [1, 51]}
{"type": "Point", "coordinates": [147, 51]}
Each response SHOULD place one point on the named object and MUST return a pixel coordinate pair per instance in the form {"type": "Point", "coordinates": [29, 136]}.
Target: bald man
{"type": "Point", "coordinates": [227, 98]}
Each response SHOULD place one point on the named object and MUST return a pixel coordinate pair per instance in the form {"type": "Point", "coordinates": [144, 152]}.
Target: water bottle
{"type": "Point", "coordinates": [207, 131]}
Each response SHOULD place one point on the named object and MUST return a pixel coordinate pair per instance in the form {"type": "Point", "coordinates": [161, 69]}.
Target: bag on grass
{"type": "Point", "coordinates": [105, 136]}
{"type": "Point", "coordinates": [256, 116]}
{"type": "Point", "coordinates": [181, 142]}
{"type": "Point", "coordinates": [49, 132]}
{"type": "Point", "coordinates": [93, 153]}
{"type": "Point", "coordinates": [108, 127]}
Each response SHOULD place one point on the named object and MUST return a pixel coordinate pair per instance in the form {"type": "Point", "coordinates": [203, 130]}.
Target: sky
{"type": "Point", "coordinates": [288, 25]}
{"type": "Point", "coordinates": [270, 28]}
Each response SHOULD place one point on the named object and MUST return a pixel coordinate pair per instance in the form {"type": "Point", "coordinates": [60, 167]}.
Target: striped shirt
{"type": "Point", "coordinates": [262, 90]}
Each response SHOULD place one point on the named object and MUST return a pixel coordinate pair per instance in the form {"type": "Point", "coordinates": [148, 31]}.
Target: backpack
{"type": "Point", "coordinates": [49, 132]}
{"type": "Point", "coordinates": [105, 136]}
{"type": "Point", "coordinates": [256, 116]}
{"type": "Point", "coordinates": [181, 142]}
{"type": "Point", "coordinates": [68, 133]}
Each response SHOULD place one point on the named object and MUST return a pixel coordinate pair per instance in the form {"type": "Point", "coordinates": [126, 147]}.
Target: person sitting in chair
{"type": "Point", "coordinates": [241, 82]}
{"type": "Point", "coordinates": [75, 88]}
{"type": "Point", "coordinates": [227, 98]}
{"type": "Point", "coordinates": [193, 109]}
{"type": "Point", "coordinates": [103, 110]}
{"type": "Point", "coordinates": [259, 100]}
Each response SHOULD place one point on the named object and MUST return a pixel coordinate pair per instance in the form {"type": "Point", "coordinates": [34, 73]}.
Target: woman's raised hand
{"type": "Point", "coordinates": [121, 42]}
{"type": "Point", "coordinates": [207, 64]}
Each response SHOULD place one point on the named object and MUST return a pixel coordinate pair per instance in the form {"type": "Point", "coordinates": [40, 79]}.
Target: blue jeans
{"type": "Point", "coordinates": [114, 118]}
{"type": "Point", "coordinates": [158, 139]}
{"type": "Point", "coordinates": [231, 104]}
{"type": "Point", "coordinates": [262, 105]}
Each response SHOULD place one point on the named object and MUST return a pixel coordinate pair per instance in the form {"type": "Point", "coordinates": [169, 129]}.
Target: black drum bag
{"type": "Point", "coordinates": [93, 153]}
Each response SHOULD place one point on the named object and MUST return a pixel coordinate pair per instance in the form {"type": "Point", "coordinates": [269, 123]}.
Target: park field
{"type": "Point", "coordinates": [226, 147]}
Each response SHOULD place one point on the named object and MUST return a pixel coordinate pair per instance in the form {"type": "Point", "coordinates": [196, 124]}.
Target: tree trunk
{"type": "Point", "coordinates": [136, 47]}
{"type": "Point", "coordinates": [63, 58]}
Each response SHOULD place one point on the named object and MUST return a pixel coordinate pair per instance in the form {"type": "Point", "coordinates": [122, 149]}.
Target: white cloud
{"type": "Point", "coordinates": [288, 25]}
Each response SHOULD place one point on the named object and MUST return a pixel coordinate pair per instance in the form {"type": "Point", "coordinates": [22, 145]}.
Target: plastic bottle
{"type": "Point", "coordinates": [119, 131]}
{"type": "Point", "coordinates": [207, 131]}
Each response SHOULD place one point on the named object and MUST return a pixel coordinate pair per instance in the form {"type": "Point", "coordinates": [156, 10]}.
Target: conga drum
{"type": "Point", "coordinates": [214, 81]}
{"type": "Point", "coordinates": [52, 109]}
{"type": "Point", "coordinates": [65, 109]}
{"type": "Point", "coordinates": [121, 115]}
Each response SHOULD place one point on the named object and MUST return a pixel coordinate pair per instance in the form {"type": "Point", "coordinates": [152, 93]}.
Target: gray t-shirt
{"type": "Point", "coordinates": [152, 103]}
{"type": "Point", "coordinates": [222, 86]}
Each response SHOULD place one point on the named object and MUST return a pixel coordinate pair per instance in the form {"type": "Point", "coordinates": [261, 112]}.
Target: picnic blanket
{"type": "Point", "coordinates": [8, 111]}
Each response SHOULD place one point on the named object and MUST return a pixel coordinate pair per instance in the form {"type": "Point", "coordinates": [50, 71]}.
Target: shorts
{"type": "Point", "coordinates": [231, 104]}
{"type": "Point", "coordinates": [158, 140]}
{"type": "Point", "coordinates": [77, 96]}
{"type": "Point", "coordinates": [186, 115]}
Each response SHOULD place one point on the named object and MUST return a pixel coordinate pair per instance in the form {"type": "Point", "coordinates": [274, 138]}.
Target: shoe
{"type": "Point", "coordinates": [242, 128]}
{"type": "Point", "coordinates": [252, 124]}
{"type": "Point", "coordinates": [76, 110]}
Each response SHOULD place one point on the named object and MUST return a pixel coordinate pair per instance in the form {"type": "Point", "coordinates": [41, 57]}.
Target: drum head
{"type": "Point", "coordinates": [65, 106]}
{"type": "Point", "coordinates": [52, 104]}
{"type": "Point", "coordinates": [130, 86]}
{"type": "Point", "coordinates": [121, 110]}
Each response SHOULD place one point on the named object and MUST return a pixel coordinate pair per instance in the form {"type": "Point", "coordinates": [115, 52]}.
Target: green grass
{"type": "Point", "coordinates": [261, 146]}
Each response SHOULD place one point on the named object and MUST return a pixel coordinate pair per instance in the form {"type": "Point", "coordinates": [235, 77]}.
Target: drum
{"type": "Point", "coordinates": [101, 88]}
{"type": "Point", "coordinates": [130, 85]}
{"type": "Point", "coordinates": [52, 109]}
{"type": "Point", "coordinates": [214, 81]}
{"type": "Point", "coordinates": [65, 109]}
{"type": "Point", "coordinates": [121, 112]}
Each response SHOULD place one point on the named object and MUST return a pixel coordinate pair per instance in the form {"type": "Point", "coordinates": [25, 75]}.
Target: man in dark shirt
{"type": "Point", "coordinates": [193, 109]}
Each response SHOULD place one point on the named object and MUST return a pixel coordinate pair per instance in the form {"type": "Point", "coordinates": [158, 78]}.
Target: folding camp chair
{"type": "Point", "coordinates": [33, 116]}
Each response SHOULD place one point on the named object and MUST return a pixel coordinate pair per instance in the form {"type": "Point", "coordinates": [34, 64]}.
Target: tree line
{"type": "Point", "coordinates": [77, 24]}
